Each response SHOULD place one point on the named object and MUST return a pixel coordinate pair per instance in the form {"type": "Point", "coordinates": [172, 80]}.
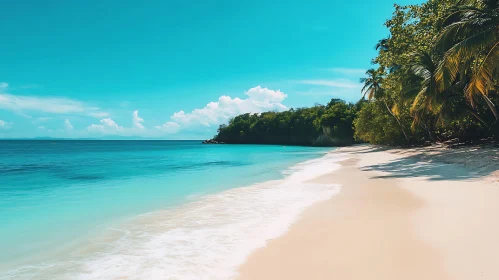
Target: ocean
{"type": "Point", "coordinates": [148, 209]}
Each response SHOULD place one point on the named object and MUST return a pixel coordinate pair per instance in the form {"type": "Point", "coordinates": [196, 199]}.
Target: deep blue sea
{"type": "Point", "coordinates": [147, 209]}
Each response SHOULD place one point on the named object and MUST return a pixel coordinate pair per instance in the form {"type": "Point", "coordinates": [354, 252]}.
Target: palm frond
{"type": "Point", "coordinates": [464, 50]}
{"type": "Point", "coordinates": [484, 75]}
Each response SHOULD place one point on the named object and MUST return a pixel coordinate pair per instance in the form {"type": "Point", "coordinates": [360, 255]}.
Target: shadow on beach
{"type": "Point", "coordinates": [368, 148]}
{"type": "Point", "coordinates": [440, 163]}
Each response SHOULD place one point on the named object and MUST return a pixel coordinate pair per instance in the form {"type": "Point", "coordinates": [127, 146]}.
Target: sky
{"type": "Point", "coordinates": [176, 69]}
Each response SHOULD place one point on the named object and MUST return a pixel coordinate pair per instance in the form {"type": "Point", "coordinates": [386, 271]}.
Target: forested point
{"type": "Point", "coordinates": [329, 125]}
{"type": "Point", "coordinates": [435, 79]}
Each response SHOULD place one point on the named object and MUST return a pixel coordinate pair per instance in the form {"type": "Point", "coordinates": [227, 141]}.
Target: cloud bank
{"type": "Point", "coordinates": [257, 100]}
{"type": "Point", "coordinates": [107, 126]}
{"type": "Point", "coordinates": [215, 113]}
{"type": "Point", "coordinates": [205, 119]}
{"type": "Point", "coordinates": [52, 105]}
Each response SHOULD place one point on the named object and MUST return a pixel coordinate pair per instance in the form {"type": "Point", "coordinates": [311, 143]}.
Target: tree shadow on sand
{"type": "Point", "coordinates": [411, 167]}
{"type": "Point", "coordinates": [367, 148]}
{"type": "Point", "coordinates": [438, 163]}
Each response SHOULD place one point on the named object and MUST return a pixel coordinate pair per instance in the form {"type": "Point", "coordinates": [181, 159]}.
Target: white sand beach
{"type": "Point", "coordinates": [425, 213]}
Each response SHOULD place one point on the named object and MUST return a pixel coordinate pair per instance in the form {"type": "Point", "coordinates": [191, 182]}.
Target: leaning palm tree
{"type": "Point", "coordinates": [427, 93]}
{"type": "Point", "coordinates": [373, 90]}
{"type": "Point", "coordinates": [427, 96]}
{"type": "Point", "coordinates": [372, 84]}
{"type": "Point", "coordinates": [421, 91]}
{"type": "Point", "coordinates": [470, 39]}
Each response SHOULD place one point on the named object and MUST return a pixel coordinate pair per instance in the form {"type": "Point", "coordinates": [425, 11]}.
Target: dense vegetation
{"type": "Point", "coordinates": [329, 125]}
{"type": "Point", "coordinates": [435, 78]}
{"type": "Point", "coordinates": [436, 75]}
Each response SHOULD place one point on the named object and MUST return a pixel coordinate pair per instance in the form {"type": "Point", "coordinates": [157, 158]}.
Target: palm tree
{"type": "Point", "coordinates": [421, 88]}
{"type": "Point", "coordinates": [373, 90]}
{"type": "Point", "coordinates": [475, 25]}
{"type": "Point", "coordinates": [427, 96]}
{"type": "Point", "coordinates": [372, 84]}
{"type": "Point", "coordinates": [382, 45]}
{"type": "Point", "coordinates": [426, 93]}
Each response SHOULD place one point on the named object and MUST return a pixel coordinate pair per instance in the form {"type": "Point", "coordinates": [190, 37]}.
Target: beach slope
{"type": "Point", "coordinates": [398, 216]}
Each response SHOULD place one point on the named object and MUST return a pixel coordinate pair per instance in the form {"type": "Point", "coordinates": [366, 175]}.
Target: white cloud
{"type": "Point", "coordinates": [256, 100]}
{"type": "Point", "coordinates": [48, 105]}
{"type": "Point", "coordinates": [3, 86]}
{"type": "Point", "coordinates": [106, 126]}
{"type": "Point", "coordinates": [169, 127]}
{"type": "Point", "coordinates": [266, 95]}
{"type": "Point", "coordinates": [98, 114]}
{"type": "Point", "coordinates": [67, 125]}
{"type": "Point", "coordinates": [53, 105]}
{"type": "Point", "coordinates": [42, 119]}
{"type": "Point", "coordinates": [337, 83]}
{"type": "Point", "coordinates": [136, 120]}
{"type": "Point", "coordinates": [4, 124]}
{"type": "Point", "coordinates": [214, 113]}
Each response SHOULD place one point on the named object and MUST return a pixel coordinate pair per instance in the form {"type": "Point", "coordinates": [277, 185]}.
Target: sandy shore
{"type": "Point", "coordinates": [400, 215]}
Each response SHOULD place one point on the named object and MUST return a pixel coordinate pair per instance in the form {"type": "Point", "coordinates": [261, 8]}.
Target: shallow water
{"type": "Point", "coordinates": [147, 209]}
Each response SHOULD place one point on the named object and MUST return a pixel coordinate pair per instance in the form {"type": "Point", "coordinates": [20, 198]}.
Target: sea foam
{"type": "Point", "coordinates": [207, 238]}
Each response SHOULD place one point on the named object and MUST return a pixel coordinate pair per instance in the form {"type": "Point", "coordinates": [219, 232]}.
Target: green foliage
{"type": "Point", "coordinates": [437, 75]}
{"type": "Point", "coordinates": [329, 125]}
{"type": "Point", "coordinates": [375, 125]}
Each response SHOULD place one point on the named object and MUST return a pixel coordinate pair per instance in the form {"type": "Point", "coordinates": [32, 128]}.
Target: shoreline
{"type": "Point", "coordinates": [208, 236]}
{"type": "Point", "coordinates": [396, 217]}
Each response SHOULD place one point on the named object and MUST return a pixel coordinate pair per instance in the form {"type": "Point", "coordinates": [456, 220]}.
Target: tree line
{"type": "Point", "coordinates": [320, 125]}
{"type": "Point", "coordinates": [435, 78]}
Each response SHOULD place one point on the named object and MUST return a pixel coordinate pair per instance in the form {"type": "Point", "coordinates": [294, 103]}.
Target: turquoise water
{"type": "Point", "coordinates": [54, 195]}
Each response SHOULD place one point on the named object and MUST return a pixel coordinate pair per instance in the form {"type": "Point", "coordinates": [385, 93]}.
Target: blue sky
{"type": "Point", "coordinates": [176, 69]}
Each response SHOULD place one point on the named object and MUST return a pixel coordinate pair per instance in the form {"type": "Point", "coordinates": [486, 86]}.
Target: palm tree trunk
{"type": "Point", "coordinates": [491, 106]}
{"type": "Point", "coordinates": [397, 119]}
{"type": "Point", "coordinates": [430, 132]}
